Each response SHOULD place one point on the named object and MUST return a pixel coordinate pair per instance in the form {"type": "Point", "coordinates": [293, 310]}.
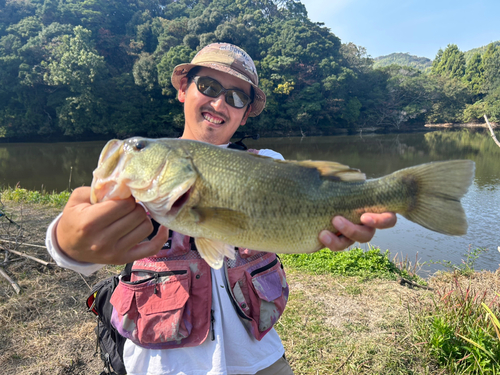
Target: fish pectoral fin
{"type": "Point", "coordinates": [221, 220]}
{"type": "Point", "coordinates": [332, 170]}
{"type": "Point", "coordinates": [213, 251]}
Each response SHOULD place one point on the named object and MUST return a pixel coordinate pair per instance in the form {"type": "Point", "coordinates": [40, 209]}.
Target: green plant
{"type": "Point", "coordinates": [461, 331]}
{"type": "Point", "coordinates": [20, 195]}
{"type": "Point", "coordinates": [468, 264]}
{"type": "Point", "coordinates": [355, 262]}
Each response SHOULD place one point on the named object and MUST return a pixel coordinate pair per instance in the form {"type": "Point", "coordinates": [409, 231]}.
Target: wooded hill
{"type": "Point", "coordinates": [481, 50]}
{"type": "Point", "coordinates": [403, 59]}
{"type": "Point", "coordinates": [86, 68]}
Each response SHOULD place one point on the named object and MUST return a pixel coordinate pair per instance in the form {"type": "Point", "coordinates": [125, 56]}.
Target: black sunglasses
{"type": "Point", "coordinates": [212, 88]}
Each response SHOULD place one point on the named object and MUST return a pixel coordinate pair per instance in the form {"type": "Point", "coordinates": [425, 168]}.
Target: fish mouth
{"type": "Point", "coordinates": [169, 205]}
{"type": "Point", "coordinates": [179, 203]}
{"type": "Point", "coordinates": [106, 183]}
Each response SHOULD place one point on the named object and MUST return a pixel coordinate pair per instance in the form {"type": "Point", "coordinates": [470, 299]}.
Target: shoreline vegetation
{"type": "Point", "coordinates": [349, 312]}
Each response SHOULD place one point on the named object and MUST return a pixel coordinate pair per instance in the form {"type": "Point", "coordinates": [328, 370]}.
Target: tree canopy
{"type": "Point", "coordinates": [83, 68]}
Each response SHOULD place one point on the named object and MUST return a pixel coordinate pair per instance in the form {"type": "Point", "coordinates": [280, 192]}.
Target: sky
{"type": "Point", "coordinates": [419, 28]}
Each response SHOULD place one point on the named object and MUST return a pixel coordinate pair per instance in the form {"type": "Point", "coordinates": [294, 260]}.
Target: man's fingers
{"type": "Point", "coordinates": [129, 223]}
{"type": "Point", "coordinates": [333, 242]}
{"type": "Point", "coordinates": [104, 213]}
{"type": "Point", "coordinates": [79, 195]}
{"type": "Point", "coordinates": [357, 233]}
{"type": "Point", "coordinates": [139, 233]}
{"type": "Point", "coordinates": [379, 221]}
{"type": "Point", "coordinates": [148, 248]}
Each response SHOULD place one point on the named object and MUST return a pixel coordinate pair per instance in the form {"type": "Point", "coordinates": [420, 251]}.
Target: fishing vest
{"type": "Point", "coordinates": [166, 300]}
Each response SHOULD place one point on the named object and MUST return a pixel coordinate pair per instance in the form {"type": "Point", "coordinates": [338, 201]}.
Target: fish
{"type": "Point", "coordinates": [227, 198]}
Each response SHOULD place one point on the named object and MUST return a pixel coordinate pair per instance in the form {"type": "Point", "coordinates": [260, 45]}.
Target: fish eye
{"type": "Point", "coordinates": [141, 144]}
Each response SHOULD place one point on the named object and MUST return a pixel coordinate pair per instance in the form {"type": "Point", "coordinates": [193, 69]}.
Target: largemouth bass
{"type": "Point", "coordinates": [225, 198]}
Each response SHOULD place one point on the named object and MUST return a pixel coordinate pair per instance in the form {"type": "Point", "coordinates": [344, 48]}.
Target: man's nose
{"type": "Point", "coordinates": [219, 102]}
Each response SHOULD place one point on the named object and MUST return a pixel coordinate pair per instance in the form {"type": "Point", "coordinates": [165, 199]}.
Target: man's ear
{"type": "Point", "coordinates": [181, 94]}
{"type": "Point", "coordinates": [245, 116]}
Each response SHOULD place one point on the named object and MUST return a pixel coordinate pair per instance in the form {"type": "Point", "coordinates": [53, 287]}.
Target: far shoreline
{"type": "Point", "coordinates": [470, 125]}
{"type": "Point", "coordinates": [310, 132]}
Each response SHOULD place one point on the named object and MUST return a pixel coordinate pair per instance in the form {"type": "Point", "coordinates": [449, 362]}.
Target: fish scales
{"type": "Point", "coordinates": [227, 197]}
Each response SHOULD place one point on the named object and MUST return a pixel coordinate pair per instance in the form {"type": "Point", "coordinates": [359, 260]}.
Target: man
{"type": "Point", "coordinates": [219, 89]}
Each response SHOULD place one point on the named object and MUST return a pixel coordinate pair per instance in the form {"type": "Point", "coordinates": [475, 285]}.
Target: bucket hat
{"type": "Point", "coordinates": [229, 59]}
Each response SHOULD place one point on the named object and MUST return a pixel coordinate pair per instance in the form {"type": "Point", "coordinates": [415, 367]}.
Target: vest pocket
{"type": "Point", "coordinates": [153, 307]}
{"type": "Point", "coordinates": [260, 291]}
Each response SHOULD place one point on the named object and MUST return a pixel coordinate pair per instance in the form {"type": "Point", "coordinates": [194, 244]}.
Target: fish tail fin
{"type": "Point", "coordinates": [438, 188]}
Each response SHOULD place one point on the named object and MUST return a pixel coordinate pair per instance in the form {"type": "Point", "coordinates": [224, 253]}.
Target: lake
{"type": "Point", "coordinates": [59, 166]}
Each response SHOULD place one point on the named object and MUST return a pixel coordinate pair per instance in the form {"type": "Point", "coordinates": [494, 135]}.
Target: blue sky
{"type": "Point", "coordinates": [417, 27]}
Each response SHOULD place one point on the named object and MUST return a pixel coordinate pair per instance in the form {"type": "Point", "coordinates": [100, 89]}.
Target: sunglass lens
{"type": "Point", "coordinates": [209, 87]}
{"type": "Point", "coordinates": [236, 99]}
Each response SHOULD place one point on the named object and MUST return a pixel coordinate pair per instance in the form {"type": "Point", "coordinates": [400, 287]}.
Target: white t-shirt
{"type": "Point", "coordinates": [234, 350]}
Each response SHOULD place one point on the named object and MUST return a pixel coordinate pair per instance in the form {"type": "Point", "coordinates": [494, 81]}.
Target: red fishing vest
{"type": "Point", "coordinates": [166, 301]}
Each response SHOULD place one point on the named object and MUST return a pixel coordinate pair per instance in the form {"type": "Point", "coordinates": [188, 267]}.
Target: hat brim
{"type": "Point", "coordinates": [259, 100]}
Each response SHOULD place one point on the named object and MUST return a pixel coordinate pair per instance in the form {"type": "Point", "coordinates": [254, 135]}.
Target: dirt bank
{"type": "Point", "coordinates": [470, 125]}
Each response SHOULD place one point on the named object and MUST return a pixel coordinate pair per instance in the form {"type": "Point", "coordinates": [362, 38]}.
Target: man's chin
{"type": "Point", "coordinates": [212, 126]}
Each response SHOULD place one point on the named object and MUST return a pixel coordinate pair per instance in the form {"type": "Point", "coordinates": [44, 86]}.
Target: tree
{"type": "Point", "coordinates": [74, 62]}
{"type": "Point", "coordinates": [451, 63]}
{"type": "Point", "coordinates": [491, 66]}
{"type": "Point", "coordinates": [474, 74]}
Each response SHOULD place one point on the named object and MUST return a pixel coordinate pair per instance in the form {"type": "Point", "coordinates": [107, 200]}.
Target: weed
{"type": "Point", "coordinates": [468, 264]}
{"type": "Point", "coordinates": [20, 195]}
{"type": "Point", "coordinates": [355, 262]}
{"type": "Point", "coordinates": [462, 331]}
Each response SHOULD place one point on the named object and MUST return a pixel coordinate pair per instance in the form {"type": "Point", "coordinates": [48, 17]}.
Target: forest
{"type": "Point", "coordinates": [78, 69]}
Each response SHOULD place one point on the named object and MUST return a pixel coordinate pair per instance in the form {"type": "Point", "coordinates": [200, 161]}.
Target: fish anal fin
{"type": "Point", "coordinates": [333, 170]}
{"type": "Point", "coordinates": [220, 220]}
{"type": "Point", "coordinates": [213, 252]}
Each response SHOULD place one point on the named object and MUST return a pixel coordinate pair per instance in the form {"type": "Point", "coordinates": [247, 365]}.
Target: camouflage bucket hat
{"type": "Point", "coordinates": [230, 59]}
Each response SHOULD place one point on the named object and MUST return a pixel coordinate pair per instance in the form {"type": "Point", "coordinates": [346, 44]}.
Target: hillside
{"type": "Point", "coordinates": [404, 59]}
{"type": "Point", "coordinates": [481, 50]}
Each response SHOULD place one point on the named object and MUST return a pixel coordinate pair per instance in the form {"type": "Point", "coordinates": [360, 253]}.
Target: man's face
{"type": "Point", "coordinates": [207, 119]}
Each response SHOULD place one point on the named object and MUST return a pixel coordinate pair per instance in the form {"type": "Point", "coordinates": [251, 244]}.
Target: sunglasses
{"type": "Point", "coordinates": [212, 88]}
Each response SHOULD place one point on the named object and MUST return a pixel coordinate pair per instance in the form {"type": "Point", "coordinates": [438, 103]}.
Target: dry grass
{"type": "Point", "coordinates": [46, 328]}
{"type": "Point", "coordinates": [348, 326]}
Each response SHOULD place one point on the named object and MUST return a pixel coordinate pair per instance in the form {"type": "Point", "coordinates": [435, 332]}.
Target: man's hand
{"type": "Point", "coordinates": [106, 233]}
{"type": "Point", "coordinates": [351, 233]}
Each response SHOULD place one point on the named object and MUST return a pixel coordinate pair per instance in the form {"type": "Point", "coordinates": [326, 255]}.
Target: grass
{"type": "Point", "coordinates": [453, 330]}
{"type": "Point", "coordinates": [467, 267]}
{"type": "Point", "coordinates": [355, 262]}
{"type": "Point", "coordinates": [461, 329]}
{"type": "Point", "coordinates": [350, 325]}
{"type": "Point", "coordinates": [20, 195]}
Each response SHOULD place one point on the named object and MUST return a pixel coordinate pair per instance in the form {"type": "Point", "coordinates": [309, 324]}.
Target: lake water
{"type": "Point", "coordinates": [60, 166]}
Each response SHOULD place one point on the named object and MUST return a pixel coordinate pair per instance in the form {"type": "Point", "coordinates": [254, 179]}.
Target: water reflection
{"type": "Point", "coordinates": [49, 166]}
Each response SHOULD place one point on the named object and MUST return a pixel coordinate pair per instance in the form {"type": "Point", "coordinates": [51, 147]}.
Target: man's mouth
{"type": "Point", "coordinates": [212, 118]}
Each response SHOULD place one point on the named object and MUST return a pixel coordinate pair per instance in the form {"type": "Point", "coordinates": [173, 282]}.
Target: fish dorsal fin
{"type": "Point", "coordinates": [220, 220]}
{"type": "Point", "coordinates": [213, 252]}
{"type": "Point", "coordinates": [333, 170]}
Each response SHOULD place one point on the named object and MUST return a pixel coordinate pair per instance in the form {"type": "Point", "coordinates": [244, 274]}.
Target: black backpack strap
{"type": "Point", "coordinates": [127, 270]}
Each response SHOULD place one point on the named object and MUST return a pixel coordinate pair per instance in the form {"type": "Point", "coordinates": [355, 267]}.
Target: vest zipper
{"type": "Point", "coordinates": [155, 291]}
{"type": "Point", "coordinates": [212, 320]}
{"type": "Point", "coordinates": [265, 268]}
{"type": "Point", "coordinates": [155, 275]}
